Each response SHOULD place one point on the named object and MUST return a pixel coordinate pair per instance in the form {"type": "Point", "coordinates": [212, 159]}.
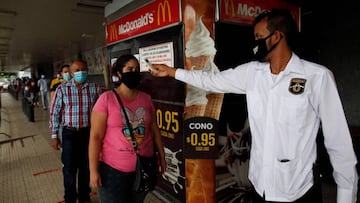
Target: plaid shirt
{"type": "Point", "coordinates": [71, 106]}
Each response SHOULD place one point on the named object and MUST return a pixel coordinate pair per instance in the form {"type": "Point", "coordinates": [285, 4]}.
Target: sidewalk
{"type": "Point", "coordinates": [30, 170]}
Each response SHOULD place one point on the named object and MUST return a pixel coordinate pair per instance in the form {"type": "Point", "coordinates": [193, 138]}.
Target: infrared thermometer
{"type": "Point", "coordinates": [150, 65]}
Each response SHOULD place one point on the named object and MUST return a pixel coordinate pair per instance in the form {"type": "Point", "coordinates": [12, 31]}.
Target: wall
{"type": "Point", "coordinates": [331, 38]}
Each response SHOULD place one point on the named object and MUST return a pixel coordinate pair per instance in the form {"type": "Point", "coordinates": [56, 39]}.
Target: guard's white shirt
{"type": "Point", "coordinates": [285, 116]}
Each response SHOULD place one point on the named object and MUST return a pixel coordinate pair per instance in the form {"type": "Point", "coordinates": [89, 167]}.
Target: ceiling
{"type": "Point", "coordinates": [43, 31]}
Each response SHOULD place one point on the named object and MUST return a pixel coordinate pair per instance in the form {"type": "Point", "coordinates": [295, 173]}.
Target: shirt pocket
{"type": "Point", "coordinates": [285, 174]}
{"type": "Point", "coordinates": [291, 109]}
{"type": "Point", "coordinates": [290, 119]}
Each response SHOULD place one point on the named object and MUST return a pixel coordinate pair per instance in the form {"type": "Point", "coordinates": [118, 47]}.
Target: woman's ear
{"type": "Point", "coordinates": [118, 74]}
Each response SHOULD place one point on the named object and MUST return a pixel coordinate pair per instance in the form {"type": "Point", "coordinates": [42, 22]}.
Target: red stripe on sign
{"type": "Point", "coordinates": [48, 171]}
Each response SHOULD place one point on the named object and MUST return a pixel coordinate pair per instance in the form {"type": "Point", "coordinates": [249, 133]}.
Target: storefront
{"type": "Point", "coordinates": [205, 137]}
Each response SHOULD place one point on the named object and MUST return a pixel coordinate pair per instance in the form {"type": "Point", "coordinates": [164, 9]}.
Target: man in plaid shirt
{"type": "Point", "coordinates": [71, 108]}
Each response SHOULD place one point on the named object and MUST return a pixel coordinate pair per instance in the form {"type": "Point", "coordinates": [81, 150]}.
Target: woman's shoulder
{"type": "Point", "coordinates": [143, 95]}
{"type": "Point", "coordinates": [107, 94]}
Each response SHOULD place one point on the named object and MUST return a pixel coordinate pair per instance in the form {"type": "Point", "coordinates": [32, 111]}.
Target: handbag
{"type": "Point", "coordinates": [146, 167]}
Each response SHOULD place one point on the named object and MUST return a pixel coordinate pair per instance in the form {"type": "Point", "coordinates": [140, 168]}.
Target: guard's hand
{"type": "Point", "coordinates": [162, 70]}
{"type": "Point", "coordinates": [55, 143]}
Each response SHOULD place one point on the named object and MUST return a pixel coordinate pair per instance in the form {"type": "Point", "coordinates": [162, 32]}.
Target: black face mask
{"type": "Point", "coordinates": [131, 79]}
{"type": "Point", "coordinates": [260, 50]}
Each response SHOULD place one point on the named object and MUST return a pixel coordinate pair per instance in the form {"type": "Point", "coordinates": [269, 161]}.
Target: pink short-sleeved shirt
{"type": "Point", "coordinates": [116, 149]}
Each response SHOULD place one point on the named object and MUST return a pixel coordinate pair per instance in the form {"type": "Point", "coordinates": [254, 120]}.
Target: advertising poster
{"type": "Point", "coordinates": [202, 109]}
{"type": "Point", "coordinates": [169, 111]}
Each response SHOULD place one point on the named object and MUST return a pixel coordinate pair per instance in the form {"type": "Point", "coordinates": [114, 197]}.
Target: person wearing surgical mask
{"type": "Point", "coordinates": [288, 100]}
{"type": "Point", "coordinates": [70, 110]}
{"type": "Point", "coordinates": [61, 77]}
{"type": "Point", "coordinates": [43, 85]}
{"type": "Point", "coordinates": [110, 136]}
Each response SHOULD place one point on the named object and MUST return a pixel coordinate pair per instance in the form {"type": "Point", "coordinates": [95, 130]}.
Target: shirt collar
{"type": "Point", "coordinates": [71, 82]}
{"type": "Point", "coordinates": [294, 65]}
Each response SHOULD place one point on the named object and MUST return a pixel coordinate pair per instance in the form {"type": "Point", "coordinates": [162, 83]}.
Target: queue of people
{"type": "Point", "coordinates": [34, 90]}
{"type": "Point", "coordinates": [77, 105]}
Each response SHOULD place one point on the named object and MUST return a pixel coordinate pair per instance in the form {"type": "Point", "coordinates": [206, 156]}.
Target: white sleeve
{"type": "Point", "coordinates": [227, 81]}
{"type": "Point", "coordinates": [337, 140]}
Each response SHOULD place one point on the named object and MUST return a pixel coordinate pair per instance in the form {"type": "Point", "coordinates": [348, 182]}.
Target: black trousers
{"type": "Point", "coordinates": [314, 195]}
{"type": "Point", "coordinates": [75, 161]}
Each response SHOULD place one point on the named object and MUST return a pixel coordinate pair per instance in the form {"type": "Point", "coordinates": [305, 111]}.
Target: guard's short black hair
{"type": "Point", "coordinates": [280, 20]}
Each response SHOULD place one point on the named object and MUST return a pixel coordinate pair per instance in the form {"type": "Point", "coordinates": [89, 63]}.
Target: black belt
{"type": "Point", "coordinates": [76, 129]}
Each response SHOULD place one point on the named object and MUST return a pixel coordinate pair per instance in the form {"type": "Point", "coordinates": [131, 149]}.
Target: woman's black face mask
{"type": "Point", "coordinates": [131, 79]}
{"type": "Point", "coordinates": [260, 50]}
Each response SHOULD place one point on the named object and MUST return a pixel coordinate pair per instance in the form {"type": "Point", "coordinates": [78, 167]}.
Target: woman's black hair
{"type": "Point", "coordinates": [121, 62]}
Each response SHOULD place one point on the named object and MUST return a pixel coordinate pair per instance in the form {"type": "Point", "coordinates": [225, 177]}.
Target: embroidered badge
{"type": "Point", "coordinates": [297, 85]}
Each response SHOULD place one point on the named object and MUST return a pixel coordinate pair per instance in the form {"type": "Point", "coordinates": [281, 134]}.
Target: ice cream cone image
{"type": "Point", "coordinates": [200, 52]}
{"type": "Point", "coordinates": [200, 62]}
{"type": "Point", "coordinates": [213, 107]}
{"type": "Point", "coordinates": [196, 100]}
{"type": "Point", "coordinates": [214, 100]}
{"type": "Point", "coordinates": [194, 111]}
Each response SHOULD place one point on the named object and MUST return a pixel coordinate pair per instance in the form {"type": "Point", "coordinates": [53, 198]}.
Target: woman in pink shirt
{"type": "Point", "coordinates": [112, 157]}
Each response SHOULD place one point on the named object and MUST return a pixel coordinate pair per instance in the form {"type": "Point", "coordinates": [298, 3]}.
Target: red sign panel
{"type": "Point", "coordinates": [158, 14]}
{"type": "Point", "coordinates": [245, 11]}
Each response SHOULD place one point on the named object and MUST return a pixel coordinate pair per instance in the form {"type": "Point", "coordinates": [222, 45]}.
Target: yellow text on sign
{"type": "Point", "coordinates": [167, 120]}
{"type": "Point", "coordinates": [202, 140]}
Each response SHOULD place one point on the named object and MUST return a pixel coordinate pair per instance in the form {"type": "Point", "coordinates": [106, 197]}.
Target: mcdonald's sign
{"type": "Point", "coordinates": [245, 11]}
{"type": "Point", "coordinates": [162, 11]}
{"type": "Point", "coordinates": [156, 15]}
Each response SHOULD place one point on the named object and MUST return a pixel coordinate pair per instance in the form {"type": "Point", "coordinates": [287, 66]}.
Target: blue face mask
{"type": "Point", "coordinates": [66, 76]}
{"type": "Point", "coordinates": [80, 76]}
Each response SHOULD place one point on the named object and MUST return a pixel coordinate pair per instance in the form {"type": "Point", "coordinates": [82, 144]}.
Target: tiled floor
{"type": "Point", "coordinates": [30, 170]}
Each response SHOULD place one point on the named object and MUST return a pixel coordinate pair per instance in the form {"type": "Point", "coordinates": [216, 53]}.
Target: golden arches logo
{"type": "Point", "coordinates": [229, 7]}
{"type": "Point", "coordinates": [113, 33]}
{"type": "Point", "coordinates": [162, 8]}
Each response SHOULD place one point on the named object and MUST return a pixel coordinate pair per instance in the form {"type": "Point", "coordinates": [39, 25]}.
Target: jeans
{"type": "Point", "coordinates": [45, 99]}
{"type": "Point", "coordinates": [75, 159]}
{"type": "Point", "coordinates": [117, 186]}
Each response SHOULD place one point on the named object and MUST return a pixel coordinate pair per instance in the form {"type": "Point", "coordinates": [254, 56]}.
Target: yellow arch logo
{"type": "Point", "coordinates": [163, 9]}
{"type": "Point", "coordinates": [229, 7]}
{"type": "Point", "coordinates": [113, 33]}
